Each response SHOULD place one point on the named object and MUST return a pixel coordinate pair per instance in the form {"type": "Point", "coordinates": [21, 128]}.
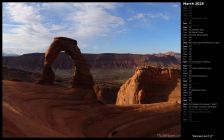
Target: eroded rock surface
{"type": "Point", "coordinates": [82, 77]}
{"type": "Point", "coordinates": [149, 85]}
{"type": "Point", "coordinates": [51, 111]}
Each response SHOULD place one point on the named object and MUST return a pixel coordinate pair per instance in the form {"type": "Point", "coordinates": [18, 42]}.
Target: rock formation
{"type": "Point", "coordinates": [149, 84]}
{"type": "Point", "coordinates": [82, 77]}
{"type": "Point", "coordinates": [106, 93]}
{"type": "Point", "coordinates": [52, 111]}
{"type": "Point", "coordinates": [34, 61]}
{"type": "Point", "coordinates": [18, 75]}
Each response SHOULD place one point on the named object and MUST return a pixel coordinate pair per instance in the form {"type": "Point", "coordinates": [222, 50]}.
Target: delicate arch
{"type": "Point", "coordinates": [81, 77]}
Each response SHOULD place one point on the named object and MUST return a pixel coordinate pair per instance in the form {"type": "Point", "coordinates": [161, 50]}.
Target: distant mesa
{"type": "Point", "coordinates": [34, 61]}
{"type": "Point", "coordinates": [150, 84]}
{"type": "Point", "coordinates": [171, 53]}
{"type": "Point", "coordinates": [82, 77]}
{"type": "Point", "coordinates": [9, 54]}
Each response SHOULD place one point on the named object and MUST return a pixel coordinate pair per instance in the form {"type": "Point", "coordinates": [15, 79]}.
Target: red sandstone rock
{"type": "Point", "coordinates": [82, 77]}
{"type": "Point", "coordinates": [51, 111]}
{"type": "Point", "coordinates": [149, 84]}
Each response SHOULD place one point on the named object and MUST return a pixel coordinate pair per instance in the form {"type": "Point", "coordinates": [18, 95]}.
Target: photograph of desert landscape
{"type": "Point", "coordinates": [91, 70]}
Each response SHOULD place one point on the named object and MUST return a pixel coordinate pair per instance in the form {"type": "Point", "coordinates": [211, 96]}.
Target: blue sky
{"type": "Point", "coordinates": [141, 28]}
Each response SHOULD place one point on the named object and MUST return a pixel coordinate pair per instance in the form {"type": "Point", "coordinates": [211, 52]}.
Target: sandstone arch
{"type": "Point", "coordinates": [81, 77]}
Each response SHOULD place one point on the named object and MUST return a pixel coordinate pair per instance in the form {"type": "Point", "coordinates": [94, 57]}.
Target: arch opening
{"type": "Point", "coordinates": [81, 76]}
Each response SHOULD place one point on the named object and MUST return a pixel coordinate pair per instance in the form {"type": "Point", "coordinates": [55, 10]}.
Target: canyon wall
{"type": "Point", "coordinates": [149, 85]}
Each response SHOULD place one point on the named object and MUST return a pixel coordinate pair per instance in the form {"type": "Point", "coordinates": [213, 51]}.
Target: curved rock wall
{"type": "Point", "coordinates": [148, 85]}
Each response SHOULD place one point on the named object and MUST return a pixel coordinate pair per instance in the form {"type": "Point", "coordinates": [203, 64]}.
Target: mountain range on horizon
{"type": "Point", "coordinates": [172, 53]}
{"type": "Point", "coordinates": [9, 54]}
{"type": "Point", "coordinates": [34, 61]}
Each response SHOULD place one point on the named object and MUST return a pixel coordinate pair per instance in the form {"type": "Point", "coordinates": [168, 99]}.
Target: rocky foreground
{"type": "Point", "coordinates": [32, 110]}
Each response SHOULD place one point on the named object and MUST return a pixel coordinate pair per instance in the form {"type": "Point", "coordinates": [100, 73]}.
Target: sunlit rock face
{"type": "Point", "coordinates": [150, 84]}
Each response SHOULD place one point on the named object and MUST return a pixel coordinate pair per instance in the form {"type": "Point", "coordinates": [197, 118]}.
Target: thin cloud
{"type": "Point", "coordinates": [30, 27]}
{"type": "Point", "coordinates": [175, 5]}
{"type": "Point", "coordinates": [94, 21]}
{"type": "Point", "coordinates": [148, 16]}
{"type": "Point", "coordinates": [26, 31]}
{"type": "Point", "coordinates": [22, 13]}
{"type": "Point", "coordinates": [37, 25]}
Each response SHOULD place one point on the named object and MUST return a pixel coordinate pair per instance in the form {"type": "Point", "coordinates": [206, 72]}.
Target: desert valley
{"type": "Point", "coordinates": [64, 93]}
